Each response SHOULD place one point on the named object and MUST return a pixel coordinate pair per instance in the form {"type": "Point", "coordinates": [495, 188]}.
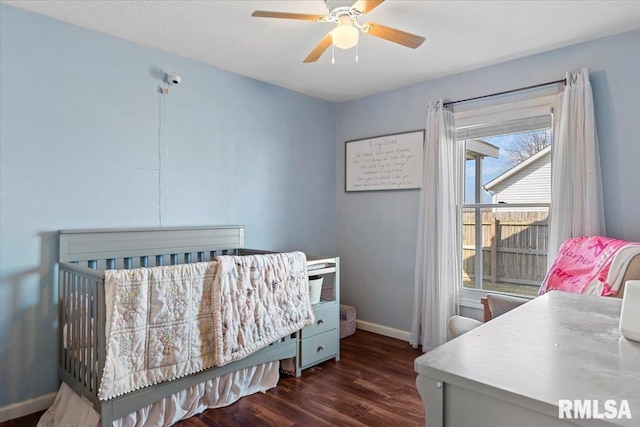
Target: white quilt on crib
{"type": "Point", "coordinates": [262, 299]}
{"type": "Point", "coordinates": [163, 323]}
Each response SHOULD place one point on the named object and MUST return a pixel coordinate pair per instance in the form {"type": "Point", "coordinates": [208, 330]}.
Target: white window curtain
{"type": "Point", "coordinates": [576, 187]}
{"type": "Point", "coordinates": [438, 257]}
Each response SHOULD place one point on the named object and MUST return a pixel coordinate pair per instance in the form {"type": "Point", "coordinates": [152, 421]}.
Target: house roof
{"type": "Point", "coordinates": [481, 147]}
{"type": "Point", "coordinates": [517, 168]}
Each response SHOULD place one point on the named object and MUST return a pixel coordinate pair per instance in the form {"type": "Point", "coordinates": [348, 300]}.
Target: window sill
{"type": "Point", "coordinates": [471, 297]}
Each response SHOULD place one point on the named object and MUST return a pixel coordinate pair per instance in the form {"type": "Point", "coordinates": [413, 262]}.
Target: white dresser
{"type": "Point", "coordinates": [522, 368]}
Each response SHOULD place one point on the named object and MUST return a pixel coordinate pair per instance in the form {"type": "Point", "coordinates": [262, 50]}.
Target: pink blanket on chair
{"type": "Point", "coordinates": [583, 266]}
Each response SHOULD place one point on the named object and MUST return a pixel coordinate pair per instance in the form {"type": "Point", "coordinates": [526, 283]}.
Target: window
{"type": "Point", "coordinates": [507, 193]}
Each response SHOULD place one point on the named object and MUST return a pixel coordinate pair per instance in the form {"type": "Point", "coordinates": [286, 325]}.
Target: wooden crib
{"type": "Point", "coordinates": [84, 255]}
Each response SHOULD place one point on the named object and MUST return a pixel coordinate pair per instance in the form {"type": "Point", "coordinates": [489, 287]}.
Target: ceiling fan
{"type": "Point", "coordinates": [345, 34]}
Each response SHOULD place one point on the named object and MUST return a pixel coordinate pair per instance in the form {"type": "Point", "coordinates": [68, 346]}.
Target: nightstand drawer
{"type": "Point", "coordinates": [327, 318]}
{"type": "Point", "coordinates": [319, 347]}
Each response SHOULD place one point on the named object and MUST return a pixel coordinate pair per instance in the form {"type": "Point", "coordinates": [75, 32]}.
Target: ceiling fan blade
{"type": "Point", "coordinates": [393, 35]}
{"type": "Point", "coordinates": [285, 15]}
{"type": "Point", "coordinates": [366, 6]}
{"type": "Point", "coordinates": [317, 52]}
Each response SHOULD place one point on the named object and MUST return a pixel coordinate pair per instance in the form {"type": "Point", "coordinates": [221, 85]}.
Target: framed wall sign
{"type": "Point", "coordinates": [388, 162]}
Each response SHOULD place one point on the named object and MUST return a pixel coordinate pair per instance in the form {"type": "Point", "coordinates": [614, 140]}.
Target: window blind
{"type": "Point", "coordinates": [505, 127]}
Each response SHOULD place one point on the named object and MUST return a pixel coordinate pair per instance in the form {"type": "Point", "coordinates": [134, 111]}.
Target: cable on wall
{"type": "Point", "coordinates": [163, 145]}
{"type": "Point", "coordinates": [163, 153]}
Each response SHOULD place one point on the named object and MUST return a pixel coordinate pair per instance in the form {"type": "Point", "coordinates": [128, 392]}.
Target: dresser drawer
{"type": "Point", "coordinates": [319, 347]}
{"type": "Point", "coordinates": [327, 318]}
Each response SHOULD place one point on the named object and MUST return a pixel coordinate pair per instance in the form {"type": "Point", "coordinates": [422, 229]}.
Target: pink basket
{"type": "Point", "coordinates": [347, 320]}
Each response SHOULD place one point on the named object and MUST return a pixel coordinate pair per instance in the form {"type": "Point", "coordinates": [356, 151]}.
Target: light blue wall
{"type": "Point", "coordinates": [79, 148]}
{"type": "Point", "coordinates": [376, 231]}
{"type": "Point", "coordinates": [80, 127]}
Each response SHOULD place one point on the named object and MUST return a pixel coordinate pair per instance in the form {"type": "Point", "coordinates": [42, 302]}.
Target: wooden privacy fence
{"type": "Point", "coordinates": [514, 246]}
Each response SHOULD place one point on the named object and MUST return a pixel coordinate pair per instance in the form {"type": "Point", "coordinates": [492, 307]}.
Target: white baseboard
{"type": "Point", "coordinates": [20, 409]}
{"type": "Point", "coordinates": [383, 330]}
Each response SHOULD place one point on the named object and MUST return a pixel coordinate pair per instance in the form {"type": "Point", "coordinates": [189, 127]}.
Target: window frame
{"type": "Point", "coordinates": [524, 105]}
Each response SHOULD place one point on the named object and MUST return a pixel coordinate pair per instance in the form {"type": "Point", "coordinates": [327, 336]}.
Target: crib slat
{"type": "Point", "coordinates": [174, 259]}
{"type": "Point", "coordinates": [63, 297]}
{"type": "Point", "coordinates": [100, 332]}
{"type": "Point", "coordinates": [187, 258]}
{"type": "Point", "coordinates": [78, 320]}
{"type": "Point", "coordinates": [93, 264]}
{"type": "Point", "coordinates": [60, 275]}
{"type": "Point", "coordinates": [159, 260]}
{"type": "Point", "coordinates": [86, 338]}
{"type": "Point", "coordinates": [128, 263]}
{"type": "Point", "coordinates": [91, 337]}
{"type": "Point", "coordinates": [83, 330]}
{"type": "Point", "coordinates": [111, 264]}
{"type": "Point", "coordinates": [70, 326]}
{"type": "Point", "coordinates": [200, 256]}
{"type": "Point", "coordinates": [74, 322]}
{"type": "Point", "coordinates": [68, 323]}
{"type": "Point", "coordinates": [144, 261]}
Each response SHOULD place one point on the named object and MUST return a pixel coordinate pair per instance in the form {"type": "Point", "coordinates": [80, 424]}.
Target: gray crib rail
{"type": "Point", "coordinates": [84, 255]}
{"type": "Point", "coordinates": [112, 244]}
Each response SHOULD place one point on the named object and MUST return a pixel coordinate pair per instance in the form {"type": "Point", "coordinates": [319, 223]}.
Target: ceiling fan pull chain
{"type": "Point", "coordinates": [333, 53]}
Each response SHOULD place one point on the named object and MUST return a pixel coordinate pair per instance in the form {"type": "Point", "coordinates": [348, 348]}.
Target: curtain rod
{"type": "Point", "coordinates": [506, 92]}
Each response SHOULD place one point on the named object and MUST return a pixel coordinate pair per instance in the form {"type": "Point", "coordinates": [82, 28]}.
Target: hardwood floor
{"type": "Point", "coordinates": [373, 384]}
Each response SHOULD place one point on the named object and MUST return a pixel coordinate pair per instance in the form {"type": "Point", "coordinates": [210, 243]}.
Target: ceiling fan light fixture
{"type": "Point", "coordinates": [345, 36]}
{"type": "Point", "coordinates": [346, 33]}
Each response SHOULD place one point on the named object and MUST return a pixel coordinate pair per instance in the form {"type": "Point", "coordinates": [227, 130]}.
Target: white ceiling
{"type": "Point", "coordinates": [461, 35]}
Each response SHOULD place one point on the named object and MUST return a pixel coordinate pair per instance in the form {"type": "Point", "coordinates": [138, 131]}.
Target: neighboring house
{"type": "Point", "coordinates": [527, 182]}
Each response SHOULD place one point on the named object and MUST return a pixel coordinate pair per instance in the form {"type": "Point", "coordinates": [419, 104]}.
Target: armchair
{"type": "Point", "coordinates": [494, 305]}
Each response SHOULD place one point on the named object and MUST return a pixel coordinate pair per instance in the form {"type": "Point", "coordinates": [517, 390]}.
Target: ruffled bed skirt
{"type": "Point", "coordinates": [70, 410]}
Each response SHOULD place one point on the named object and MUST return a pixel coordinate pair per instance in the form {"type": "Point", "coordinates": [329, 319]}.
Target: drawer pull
{"type": "Point", "coordinates": [320, 348]}
{"type": "Point", "coordinates": [320, 322]}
